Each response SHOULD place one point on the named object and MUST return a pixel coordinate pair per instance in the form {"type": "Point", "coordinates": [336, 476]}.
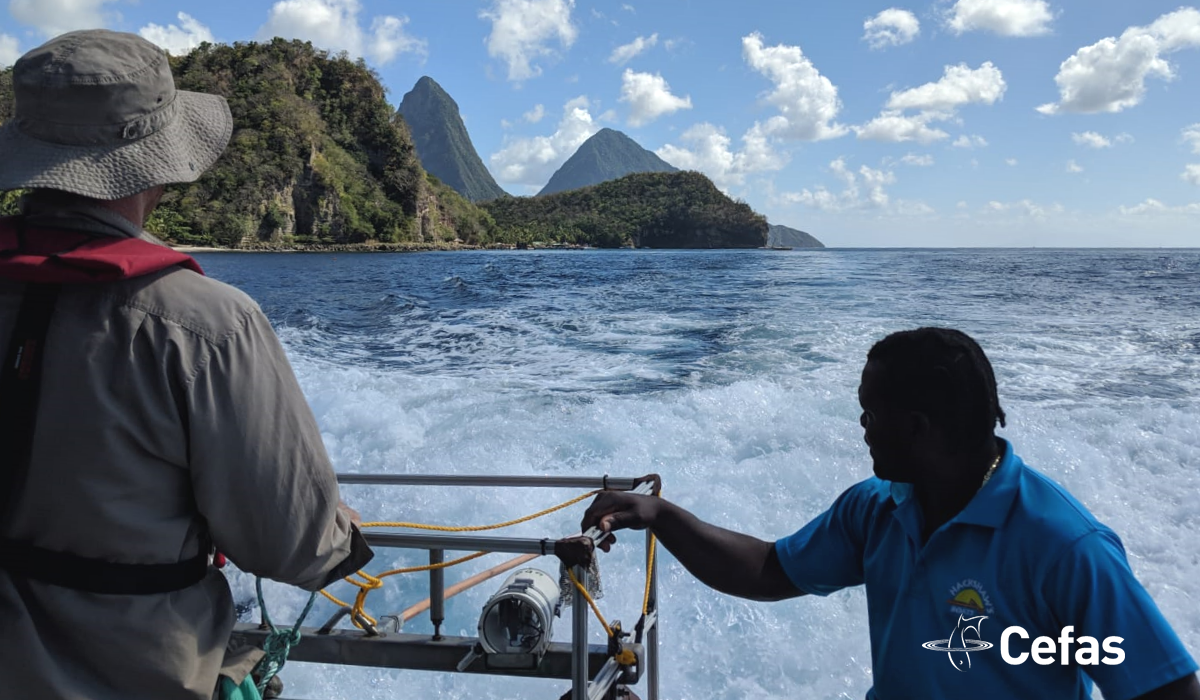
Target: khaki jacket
{"type": "Point", "coordinates": [168, 411]}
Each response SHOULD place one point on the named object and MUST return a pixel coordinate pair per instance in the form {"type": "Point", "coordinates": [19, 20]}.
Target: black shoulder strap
{"type": "Point", "coordinates": [20, 382]}
{"type": "Point", "coordinates": [20, 389]}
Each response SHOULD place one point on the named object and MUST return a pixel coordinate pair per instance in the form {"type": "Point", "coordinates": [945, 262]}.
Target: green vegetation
{"type": "Point", "coordinates": [316, 155]}
{"type": "Point", "coordinates": [651, 210]}
{"type": "Point", "coordinates": [443, 144]}
{"type": "Point", "coordinates": [607, 155]}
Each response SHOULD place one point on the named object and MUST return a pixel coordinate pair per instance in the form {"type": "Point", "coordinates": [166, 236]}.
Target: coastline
{"type": "Point", "coordinates": [340, 248]}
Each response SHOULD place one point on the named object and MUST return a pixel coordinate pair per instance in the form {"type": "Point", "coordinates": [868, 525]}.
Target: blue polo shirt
{"type": "Point", "coordinates": [1022, 553]}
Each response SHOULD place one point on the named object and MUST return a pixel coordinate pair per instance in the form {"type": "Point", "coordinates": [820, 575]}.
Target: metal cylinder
{"type": "Point", "coordinates": [518, 618]}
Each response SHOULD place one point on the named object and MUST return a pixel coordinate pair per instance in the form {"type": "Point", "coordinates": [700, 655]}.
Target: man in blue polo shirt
{"type": "Point", "coordinates": [984, 578]}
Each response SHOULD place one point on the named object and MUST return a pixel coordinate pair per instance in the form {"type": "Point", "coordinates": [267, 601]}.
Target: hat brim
{"type": "Point", "coordinates": [179, 152]}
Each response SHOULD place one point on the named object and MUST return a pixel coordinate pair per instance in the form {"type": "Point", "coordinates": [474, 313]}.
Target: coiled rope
{"type": "Point", "coordinates": [279, 642]}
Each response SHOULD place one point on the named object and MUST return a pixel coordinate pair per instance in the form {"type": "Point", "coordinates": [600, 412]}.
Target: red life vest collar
{"type": "Point", "coordinates": [36, 254]}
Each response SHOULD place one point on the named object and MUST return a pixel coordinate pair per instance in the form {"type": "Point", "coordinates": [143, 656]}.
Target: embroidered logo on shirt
{"type": "Point", "coordinates": [968, 597]}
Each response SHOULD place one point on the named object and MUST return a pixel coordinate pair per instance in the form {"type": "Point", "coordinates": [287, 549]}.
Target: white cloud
{"type": "Point", "coordinates": [1110, 75]}
{"type": "Point", "coordinates": [672, 44]}
{"type": "Point", "coordinates": [922, 161]}
{"type": "Point", "coordinates": [1011, 161]}
{"type": "Point", "coordinates": [895, 127]}
{"type": "Point", "coordinates": [938, 101]}
{"type": "Point", "coordinates": [1191, 173]}
{"type": "Point", "coordinates": [334, 25]}
{"type": "Point", "coordinates": [861, 190]}
{"type": "Point", "coordinates": [807, 101]}
{"type": "Point", "coordinates": [54, 17]}
{"type": "Point", "coordinates": [649, 97]}
{"type": "Point", "coordinates": [1091, 139]}
{"type": "Point", "coordinates": [1003, 17]}
{"type": "Point", "coordinates": [523, 29]}
{"type": "Point", "coordinates": [959, 86]}
{"type": "Point", "coordinates": [10, 51]}
{"type": "Point", "coordinates": [531, 161]}
{"type": "Point", "coordinates": [1153, 207]}
{"type": "Point", "coordinates": [1191, 135]}
{"type": "Point", "coordinates": [892, 27]}
{"type": "Point", "coordinates": [388, 40]}
{"type": "Point", "coordinates": [1024, 207]}
{"type": "Point", "coordinates": [628, 8]}
{"type": "Point", "coordinates": [1073, 167]}
{"type": "Point", "coordinates": [178, 40]}
{"type": "Point", "coordinates": [708, 150]}
{"type": "Point", "coordinates": [626, 52]}
{"type": "Point", "coordinates": [973, 141]}
{"type": "Point", "coordinates": [535, 115]}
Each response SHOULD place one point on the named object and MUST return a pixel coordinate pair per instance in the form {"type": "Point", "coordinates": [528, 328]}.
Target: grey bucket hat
{"type": "Point", "coordinates": [97, 114]}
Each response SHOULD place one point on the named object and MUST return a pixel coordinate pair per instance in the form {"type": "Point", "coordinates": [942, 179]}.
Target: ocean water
{"type": "Point", "coordinates": [732, 374]}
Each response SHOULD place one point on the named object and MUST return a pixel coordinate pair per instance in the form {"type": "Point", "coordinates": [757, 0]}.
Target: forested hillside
{"type": "Point", "coordinates": [651, 210]}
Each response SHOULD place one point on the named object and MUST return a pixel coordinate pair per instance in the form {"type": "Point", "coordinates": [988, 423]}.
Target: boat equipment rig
{"type": "Point", "coordinates": [527, 602]}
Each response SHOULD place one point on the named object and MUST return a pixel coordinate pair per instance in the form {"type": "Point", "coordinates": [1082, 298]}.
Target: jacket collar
{"type": "Point", "coordinates": [36, 253]}
{"type": "Point", "coordinates": [78, 215]}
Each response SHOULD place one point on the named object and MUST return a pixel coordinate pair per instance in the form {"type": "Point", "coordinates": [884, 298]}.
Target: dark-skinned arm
{"type": "Point", "coordinates": [727, 561]}
{"type": "Point", "coordinates": [1186, 688]}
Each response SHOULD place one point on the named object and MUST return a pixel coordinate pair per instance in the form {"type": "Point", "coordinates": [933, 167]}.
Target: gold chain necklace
{"type": "Point", "coordinates": [991, 470]}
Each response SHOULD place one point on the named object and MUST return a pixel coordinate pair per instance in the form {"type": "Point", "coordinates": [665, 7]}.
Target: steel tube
{"type": "Point", "coordinates": [584, 482]}
{"type": "Point", "coordinates": [579, 638]}
{"type": "Point", "coordinates": [517, 545]}
{"type": "Point", "coordinates": [418, 652]}
{"type": "Point", "coordinates": [604, 680]}
{"type": "Point", "coordinates": [461, 543]}
{"type": "Point", "coordinates": [437, 592]}
{"type": "Point", "coordinates": [652, 622]}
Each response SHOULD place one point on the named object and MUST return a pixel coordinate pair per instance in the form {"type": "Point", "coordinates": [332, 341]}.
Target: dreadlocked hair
{"type": "Point", "coordinates": [944, 374]}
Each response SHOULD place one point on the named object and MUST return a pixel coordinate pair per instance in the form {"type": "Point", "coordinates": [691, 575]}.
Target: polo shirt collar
{"type": "Point", "coordinates": [991, 505]}
{"type": "Point", "coordinates": [988, 508]}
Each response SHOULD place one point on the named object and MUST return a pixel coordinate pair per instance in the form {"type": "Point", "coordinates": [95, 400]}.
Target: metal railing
{"type": "Point", "coordinates": [592, 669]}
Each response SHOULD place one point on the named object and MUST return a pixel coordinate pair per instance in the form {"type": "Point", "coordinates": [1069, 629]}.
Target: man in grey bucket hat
{"type": "Point", "coordinates": [146, 411]}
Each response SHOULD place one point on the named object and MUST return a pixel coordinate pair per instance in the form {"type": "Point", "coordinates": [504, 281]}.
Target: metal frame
{"type": "Point", "coordinates": [591, 668]}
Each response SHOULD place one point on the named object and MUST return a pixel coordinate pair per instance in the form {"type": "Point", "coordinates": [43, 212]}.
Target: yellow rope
{"type": "Point", "coordinates": [588, 597]}
{"type": "Point", "coordinates": [649, 574]}
{"type": "Point", "coordinates": [481, 528]}
{"type": "Point", "coordinates": [431, 567]}
{"type": "Point", "coordinates": [650, 565]}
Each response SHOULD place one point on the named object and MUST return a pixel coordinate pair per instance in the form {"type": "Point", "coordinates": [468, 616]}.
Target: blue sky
{"type": "Point", "coordinates": [932, 123]}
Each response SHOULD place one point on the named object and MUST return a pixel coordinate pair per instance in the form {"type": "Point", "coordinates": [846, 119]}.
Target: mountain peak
{"type": "Point", "coordinates": [607, 155]}
{"type": "Point", "coordinates": [442, 141]}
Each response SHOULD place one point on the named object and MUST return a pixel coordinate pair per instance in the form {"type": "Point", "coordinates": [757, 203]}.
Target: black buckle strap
{"type": "Point", "coordinates": [20, 389]}
{"type": "Point", "coordinates": [97, 575]}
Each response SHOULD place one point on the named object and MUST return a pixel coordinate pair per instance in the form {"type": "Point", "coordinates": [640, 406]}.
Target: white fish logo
{"type": "Point", "coordinates": [963, 640]}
